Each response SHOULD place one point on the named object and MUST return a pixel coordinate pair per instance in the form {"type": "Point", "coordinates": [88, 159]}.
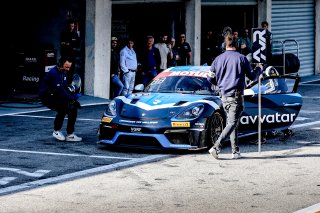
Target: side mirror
{"type": "Point", "coordinates": [249, 92]}
{"type": "Point", "coordinates": [139, 88]}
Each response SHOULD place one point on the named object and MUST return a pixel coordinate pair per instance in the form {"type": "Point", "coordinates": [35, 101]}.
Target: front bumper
{"type": "Point", "coordinates": [187, 138]}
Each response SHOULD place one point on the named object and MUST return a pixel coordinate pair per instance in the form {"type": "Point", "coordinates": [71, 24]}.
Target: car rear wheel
{"type": "Point", "coordinates": [215, 127]}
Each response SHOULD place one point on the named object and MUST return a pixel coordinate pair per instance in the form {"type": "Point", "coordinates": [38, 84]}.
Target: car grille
{"type": "Point", "coordinates": [106, 133]}
{"type": "Point", "coordinates": [179, 138]}
{"type": "Point", "coordinates": [129, 140]}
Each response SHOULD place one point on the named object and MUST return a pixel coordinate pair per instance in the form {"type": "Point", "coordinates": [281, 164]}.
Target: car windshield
{"type": "Point", "coordinates": [182, 82]}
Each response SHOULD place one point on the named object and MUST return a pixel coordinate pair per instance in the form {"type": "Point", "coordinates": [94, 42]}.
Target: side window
{"type": "Point", "coordinates": [274, 86]}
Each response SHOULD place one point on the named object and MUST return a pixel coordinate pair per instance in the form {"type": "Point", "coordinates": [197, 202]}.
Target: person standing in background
{"type": "Point", "coordinates": [246, 48]}
{"type": "Point", "coordinates": [172, 61]}
{"type": "Point", "coordinates": [128, 66]}
{"type": "Point", "coordinates": [238, 40]}
{"type": "Point", "coordinates": [184, 51]}
{"type": "Point", "coordinates": [165, 52]}
{"type": "Point", "coordinates": [150, 60]}
{"type": "Point", "coordinates": [207, 49]}
{"type": "Point", "coordinates": [70, 45]}
{"type": "Point", "coordinates": [265, 25]}
{"type": "Point", "coordinates": [117, 85]}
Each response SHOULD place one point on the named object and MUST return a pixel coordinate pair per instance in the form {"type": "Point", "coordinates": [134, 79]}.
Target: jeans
{"type": "Point", "coordinates": [117, 87]}
{"type": "Point", "coordinates": [233, 107]}
{"type": "Point", "coordinates": [128, 82]}
{"type": "Point", "coordinates": [149, 75]}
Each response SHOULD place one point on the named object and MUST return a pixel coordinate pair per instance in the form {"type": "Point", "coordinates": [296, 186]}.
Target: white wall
{"type": "Point", "coordinates": [98, 45]}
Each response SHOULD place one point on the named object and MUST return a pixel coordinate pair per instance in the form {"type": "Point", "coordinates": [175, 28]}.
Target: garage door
{"type": "Point", "coordinates": [294, 20]}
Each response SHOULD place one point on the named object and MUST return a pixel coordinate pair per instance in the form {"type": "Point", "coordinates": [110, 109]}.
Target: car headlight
{"type": "Point", "coordinates": [112, 108]}
{"type": "Point", "coordinates": [190, 113]}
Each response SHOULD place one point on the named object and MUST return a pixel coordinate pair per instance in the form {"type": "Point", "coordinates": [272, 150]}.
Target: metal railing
{"type": "Point", "coordinates": [283, 48]}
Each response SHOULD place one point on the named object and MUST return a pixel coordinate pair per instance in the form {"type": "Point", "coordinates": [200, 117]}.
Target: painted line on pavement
{"type": "Point", "coordinates": [305, 124]}
{"type": "Point", "coordinates": [65, 154]}
{"type": "Point", "coordinates": [48, 117]}
{"type": "Point", "coordinates": [311, 209]}
{"type": "Point", "coordinates": [82, 173]}
{"type": "Point", "coordinates": [47, 109]}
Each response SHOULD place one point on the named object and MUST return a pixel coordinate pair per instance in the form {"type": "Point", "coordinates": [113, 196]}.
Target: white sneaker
{"type": "Point", "coordinates": [58, 135]}
{"type": "Point", "coordinates": [236, 155]}
{"type": "Point", "coordinates": [214, 153]}
{"type": "Point", "coordinates": [72, 137]}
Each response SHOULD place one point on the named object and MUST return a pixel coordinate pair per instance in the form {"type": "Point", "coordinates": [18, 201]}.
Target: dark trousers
{"type": "Point", "coordinates": [72, 114]}
{"type": "Point", "coordinates": [63, 109]}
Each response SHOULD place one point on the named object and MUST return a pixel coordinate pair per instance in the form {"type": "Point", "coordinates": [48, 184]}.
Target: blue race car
{"type": "Point", "coordinates": [181, 109]}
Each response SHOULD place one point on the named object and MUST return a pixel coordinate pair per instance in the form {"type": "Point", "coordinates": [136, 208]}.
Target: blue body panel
{"type": "Point", "coordinates": [150, 119]}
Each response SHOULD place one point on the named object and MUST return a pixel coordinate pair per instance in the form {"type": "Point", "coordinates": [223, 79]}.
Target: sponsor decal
{"type": "Point", "coordinates": [106, 119]}
{"type": "Point", "coordinates": [135, 129]}
{"type": "Point", "coordinates": [30, 60]}
{"type": "Point", "coordinates": [47, 68]}
{"type": "Point", "coordinates": [30, 78]}
{"type": "Point", "coordinates": [156, 101]}
{"type": "Point", "coordinates": [202, 74]}
{"type": "Point", "coordinates": [259, 47]}
{"type": "Point", "coordinates": [180, 124]}
{"type": "Point", "coordinates": [139, 122]}
{"type": "Point", "coordinates": [273, 118]}
{"type": "Point", "coordinates": [199, 124]}
{"type": "Point", "coordinates": [190, 73]}
{"type": "Point", "coordinates": [50, 55]}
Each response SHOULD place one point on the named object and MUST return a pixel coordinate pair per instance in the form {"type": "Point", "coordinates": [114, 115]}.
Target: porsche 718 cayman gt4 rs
{"type": "Point", "coordinates": [181, 109]}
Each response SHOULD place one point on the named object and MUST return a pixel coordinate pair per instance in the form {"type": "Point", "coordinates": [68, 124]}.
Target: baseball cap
{"type": "Point", "coordinates": [114, 39]}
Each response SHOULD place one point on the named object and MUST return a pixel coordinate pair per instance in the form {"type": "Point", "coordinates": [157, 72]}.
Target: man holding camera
{"type": "Point", "coordinates": [58, 95]}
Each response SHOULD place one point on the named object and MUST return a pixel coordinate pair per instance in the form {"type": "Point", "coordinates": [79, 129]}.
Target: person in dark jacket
{"type": "Point", "coordinates": [117, 85]}
{"type": "Point", "coordinates": [184, 51]}
{"type": "Point", "coordinates": [150, 60]}
{"type": "Point", "coordinates": [70, 45]}
{"type": "Point", "coordinates": [56, 94]}
{"type": "Point", "coordinates": [229, 70]}
{"type": "Point", "coordinates": [269, 35]}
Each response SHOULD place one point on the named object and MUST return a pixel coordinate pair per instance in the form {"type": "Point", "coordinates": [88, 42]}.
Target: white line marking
{"type": "Point", "coordinates": [308, 111]}
{"type": "Point", "coordinates": [305, 124]}
{"type": "Point", "coordinates": [81, 173]}
{"type": "Point", "coordinates": [38, 173]}
{"type": "Point", "coordinates": [47, 109]}
{"type": "Point", "coordinates": [301, 118]}
{"type": "Point", "coordinates": [64, 154]}
{"type": "Point", "coordinates": [36, 116]}
{"type": "Point", "coordinates": [6, 180]}
{"type": "Point", "coordinates": [310, 97]}
{"type": "Point", "coordinates": [315, 208]}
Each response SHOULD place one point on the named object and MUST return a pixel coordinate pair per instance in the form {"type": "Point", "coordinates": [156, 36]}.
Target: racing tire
{"type": "Point", "coordinates": [215, 128]}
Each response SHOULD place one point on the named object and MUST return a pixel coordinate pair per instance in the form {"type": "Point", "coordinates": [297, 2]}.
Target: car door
{"type": "Point", "coordinates": [280, 104]}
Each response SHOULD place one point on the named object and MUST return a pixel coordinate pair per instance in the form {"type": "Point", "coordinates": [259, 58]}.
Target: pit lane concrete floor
{"type": "Point", "coordinates": [283, 178]}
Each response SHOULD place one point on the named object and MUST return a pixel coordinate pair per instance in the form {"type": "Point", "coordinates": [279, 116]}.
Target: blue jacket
{"type": "Point", "coordinates": [230, 69]}
{"type": "Point", "coordinates": [54, 85]}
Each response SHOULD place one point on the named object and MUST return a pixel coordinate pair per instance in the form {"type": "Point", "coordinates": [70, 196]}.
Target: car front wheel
{"type": "Point", "coordinates": [215, 127]}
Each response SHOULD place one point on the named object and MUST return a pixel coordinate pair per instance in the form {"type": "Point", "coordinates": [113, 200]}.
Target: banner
{"type": "Point", "coordinates": [259, 47]}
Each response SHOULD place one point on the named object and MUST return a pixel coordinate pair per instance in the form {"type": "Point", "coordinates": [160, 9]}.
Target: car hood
{"type": "Point", "coordinates": [158, 105]}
